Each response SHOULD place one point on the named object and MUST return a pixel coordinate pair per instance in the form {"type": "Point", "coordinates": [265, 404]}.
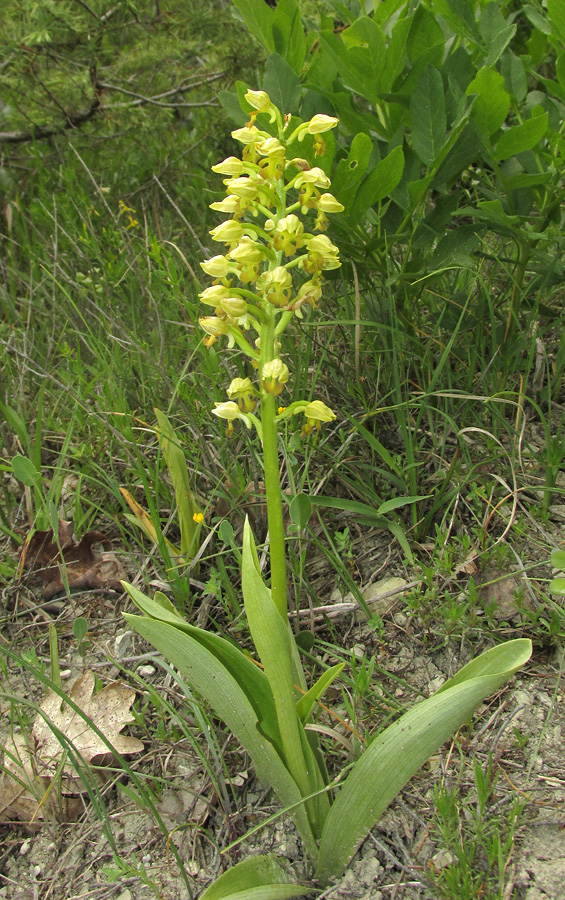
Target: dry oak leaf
{"type": "Point", "coordinates": [84, 569]}
{"type": "Point", "coordinates": [31, 766]}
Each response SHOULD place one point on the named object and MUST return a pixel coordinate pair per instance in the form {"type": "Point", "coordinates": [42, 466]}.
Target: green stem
{"type": "Point", "coordinates": [272, 476]}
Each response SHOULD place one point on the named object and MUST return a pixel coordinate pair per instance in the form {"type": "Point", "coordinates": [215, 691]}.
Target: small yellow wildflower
{"type": "Point", "coordinates": [198, 518]}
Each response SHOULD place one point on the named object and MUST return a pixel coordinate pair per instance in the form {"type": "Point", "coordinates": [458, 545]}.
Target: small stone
{"type": "Point", "coordinates": [125, 895]}
{"type": "Point", "coordinates": [123, 644]}
{"type": "Point", "coordinates": [25, 847]}
{"type": "Point", "coordinates": [146, 671]}
{"type": "Point", "coordinates": [522, 698]}
{"type": "Point", "coordinates": [66, 674]}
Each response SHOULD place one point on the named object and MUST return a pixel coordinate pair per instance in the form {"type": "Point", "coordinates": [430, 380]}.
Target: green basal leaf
{"type": "Point", "coordinates": [206, 675]}
{"type": "Point", "coordinates": [184, 496]}
{"type": "Point", "coordinates": [397, 754]}
{"type": "Point", "coordinates": [248, 675]}
{"type": "Point", "coordinates": [558, 559]}
{"type": "Point", "coordinates": [257, 878]}
{"type": "Point", "coordinates": [305, 704]}
{"type": "Point", "coordinates": [273, 639]}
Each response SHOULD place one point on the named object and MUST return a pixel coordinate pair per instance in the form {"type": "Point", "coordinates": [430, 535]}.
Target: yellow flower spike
{"type": "Point", "coordinates": [328, 204]}
{"type": "Point", "coordinates": [198, 518]}
{"type": "Point", "coordinates": [230, 166]}
{"type": "Point", "coordinates": [229, 232]}
{"type": "Point", "coordinates": [276, 285]}
{"type": "Point", "coordinates": [275, 375]}
{"type": "Point", "coordinates": [217, 266]}
{"type": "Point", "coordinates": [288, 235]}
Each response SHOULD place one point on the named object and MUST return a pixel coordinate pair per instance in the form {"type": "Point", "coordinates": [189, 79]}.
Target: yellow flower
{"type": "Point", "coordinates": [261, 102]}
{"type": "Point", "coordinates": [242, 390]}
{"type": "Point", "coordinates": [213, 325]}
{"type": "Point", "coordinates": [276, 285]}
{"type": "Point", "coordinates": [316, 413]}
{"type": "Point", "coordinates": [288, 235]}
{"type": "Point", "coordinates": [228, 410]}
{"type": "Point", "coordinates": [322, 255]}
{"type": "Point", "coordinates": [275, 375]}
{"type": "Point", "coordinates": [198, 518]}
{"type": "Point", "coordinates": [230, 204]}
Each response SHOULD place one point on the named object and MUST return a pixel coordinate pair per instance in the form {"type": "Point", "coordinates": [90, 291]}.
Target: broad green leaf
{"type": "Point", "coordinates": [397, 754]}
{"type": "Point", "coordinates": [426, 39]}
{"type": "Point", "coordinates": [186, 502]}
{"type": "Point", "coordinates": [460, 14]}
{"type": "Point", "coordinates": [360, 56]}
{"type": "Point", "coordinates": [558, 559]}
{"type": "Point", "coordinates": [206, 675]}
{"type": "Point", "coordinates": [272, 638]}
{"type": "Point", "coordinates": [556, 11]}
{"type": "Point", "coordinates": [522, 137]}
{"type": "Point", "coordinates": [288, 34]}
{"type": "Point", "coordinates": [514, 72]}
{"type": "Point", "coordinates": [350, 171]}
{"type": "Point", "coordinates": [281, 84]}
{"type": "Point", "coordinates": [427, 110]}
{"type": "Point", "coordinates": [395, 58]}
{"type": "Point", "coordinates": [300, 510]}
{"type": "Point", "coordinates": [492, 103]}
{"type": "Point", "coordinates": [305, 704]}
{"type": "Point", "coordinates": [379, 184]}
{"type": "Point", "coordinates": [557, 586]}
{"type": "Point", "coordinates": [258, 17]}
{"type": "Point", "coordinates": [256, 878]}
{"type": "Point", "coordinates": [398, 503]}
{"type": "Point", "coordinates": [247, 674]}
{"type": "Point", "coordinates": [25, 471]}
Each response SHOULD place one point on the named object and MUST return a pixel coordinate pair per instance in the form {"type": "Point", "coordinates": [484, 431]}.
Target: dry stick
{"type": "Point", "coordinates": [357, 320]}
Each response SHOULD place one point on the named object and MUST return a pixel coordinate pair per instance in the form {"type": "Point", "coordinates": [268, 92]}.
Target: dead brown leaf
{"type": "Point", "coordinates": [39, 772]}
{"type": "Point", "coordinates": [71, 560]}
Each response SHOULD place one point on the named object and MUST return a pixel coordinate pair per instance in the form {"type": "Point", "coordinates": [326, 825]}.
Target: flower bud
{"type": "Point", "coordinates": [274, 374]}
{"type": "Point", "coordinates": [213, 325]}
{"type": "Point", "coordinates": [230, 166]}
{"type": "Point", "coordinates": [229, 232]}
{"type": "Point", "coordinates": [245, 187]}
{"type": "Point", "coordinates": [235, 307]}
{"type": "Point", "coordinates": [320, 123]}
{"type": "Point", "coordinates": [217, 266]}
{"type": "Point", "coordinates": [328, 204]}
{"type": "Point", "coordinates": [230, 204]}
{"type": "Point", "coordinates": [212, 295]}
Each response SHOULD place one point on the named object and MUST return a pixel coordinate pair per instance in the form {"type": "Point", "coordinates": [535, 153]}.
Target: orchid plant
{"type": "Point", "coordinates": [272, 267]}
